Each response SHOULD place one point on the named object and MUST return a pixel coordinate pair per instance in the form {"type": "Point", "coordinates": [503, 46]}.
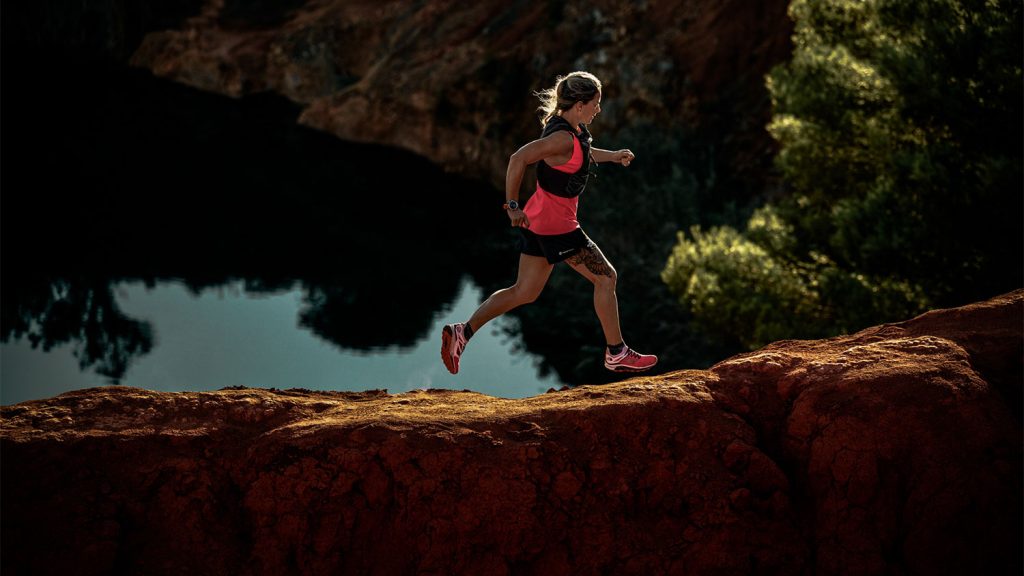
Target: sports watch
{"type": "Point", "coordinates": [512, 205]}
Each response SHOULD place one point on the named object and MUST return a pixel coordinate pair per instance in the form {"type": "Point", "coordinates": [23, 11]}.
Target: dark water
{"type": "Point", "coordinates": [225, 337]}
{"type": "Point", "coordinates": [158, 236]}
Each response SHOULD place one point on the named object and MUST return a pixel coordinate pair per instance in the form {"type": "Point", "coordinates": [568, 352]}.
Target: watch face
{"type": "Point", "coordinates": [513, 205]}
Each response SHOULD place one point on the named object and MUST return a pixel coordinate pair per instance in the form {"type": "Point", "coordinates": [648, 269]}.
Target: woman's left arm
{"type": "Point", "coordinates": [624, 156]}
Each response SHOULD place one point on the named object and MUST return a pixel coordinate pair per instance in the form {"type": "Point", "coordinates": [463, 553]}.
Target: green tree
{"type": "Point", "coordinates": [899, 124]}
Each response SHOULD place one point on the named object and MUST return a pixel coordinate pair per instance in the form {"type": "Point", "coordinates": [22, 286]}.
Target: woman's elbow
{"type": "Point", "coordinates": [516, 160]}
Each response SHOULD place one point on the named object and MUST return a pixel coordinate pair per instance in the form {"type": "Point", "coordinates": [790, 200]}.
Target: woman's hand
{"type": "Point", "coordinates": [624, 157]}
{"type": "Point", "coordinates": [518, 218]}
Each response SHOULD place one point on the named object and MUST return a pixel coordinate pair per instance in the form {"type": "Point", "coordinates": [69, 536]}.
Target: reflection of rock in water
{"type": "Point", "coordinates": [890, 451]}
{"type": "Point", "coordinates": [378, 308]}
{"type": "Point", "coordinates": [154, 181]}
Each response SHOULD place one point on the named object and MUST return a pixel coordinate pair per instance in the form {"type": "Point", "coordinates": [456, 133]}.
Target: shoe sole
{"type": "Point", "coordinates": [628, 369]}
{"type": "Point", "coordinates": [446, 345]}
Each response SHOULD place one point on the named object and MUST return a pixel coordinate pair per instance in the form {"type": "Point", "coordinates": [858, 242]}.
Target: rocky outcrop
{"type": "Point", "coordinates": [451, 81]}
{"type": "Point", "coordinates": [890, 451]}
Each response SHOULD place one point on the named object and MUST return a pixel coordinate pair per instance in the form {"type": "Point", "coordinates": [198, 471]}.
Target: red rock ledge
{"type": "Point", "coordinates": [896, 450]}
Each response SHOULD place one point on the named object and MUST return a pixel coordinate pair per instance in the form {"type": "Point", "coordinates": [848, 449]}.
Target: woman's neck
{"type": "Point", "coordinates": [569, 118]}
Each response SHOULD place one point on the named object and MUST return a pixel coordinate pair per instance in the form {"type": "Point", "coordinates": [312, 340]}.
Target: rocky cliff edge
{"type": "Point", "coordinates": [451, 81]}
{"type": "Point", "coordinates": [896, 450]}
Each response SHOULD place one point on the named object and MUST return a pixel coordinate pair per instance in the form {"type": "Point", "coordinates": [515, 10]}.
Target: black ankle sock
{"type": "Point", "coordinates": [617, 348]}
{"type": "Point", "coordinates": [467, 330]}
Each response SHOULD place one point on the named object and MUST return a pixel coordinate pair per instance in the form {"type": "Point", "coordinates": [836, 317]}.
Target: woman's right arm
{"type": "Point", "coordinates": [557, 145]}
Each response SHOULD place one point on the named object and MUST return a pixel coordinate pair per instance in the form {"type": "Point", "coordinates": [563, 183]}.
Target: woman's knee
{"type": "Point", "coordinates": [606, 283]}
{"type": "Point", "coordinates": [607, 280]}
{"type": "Point", "coordinates": [527, 294]}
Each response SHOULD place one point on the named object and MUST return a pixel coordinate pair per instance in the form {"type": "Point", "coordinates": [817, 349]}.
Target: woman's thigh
{"type": "Point", "coordinates": [534, 272]}
{"type": "Point", "coordinates": [591, 263]}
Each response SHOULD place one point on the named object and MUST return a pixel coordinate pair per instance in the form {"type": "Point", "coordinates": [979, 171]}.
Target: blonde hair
{"type": "Point", "coordinates": [569, 89]}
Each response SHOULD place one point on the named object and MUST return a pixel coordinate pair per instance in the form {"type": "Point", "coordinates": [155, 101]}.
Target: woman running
{"type": "Point", "coordinates": [548, 225]}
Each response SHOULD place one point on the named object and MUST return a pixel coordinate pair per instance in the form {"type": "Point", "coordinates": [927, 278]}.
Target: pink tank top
{"type": "Point", "coordinates": [550, 214]}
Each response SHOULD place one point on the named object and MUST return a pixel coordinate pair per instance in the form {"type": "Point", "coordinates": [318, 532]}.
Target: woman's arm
{"type": "Point", "coordinates": [553, 146]}
{"type": "Point", "coordinates": [624, 156]}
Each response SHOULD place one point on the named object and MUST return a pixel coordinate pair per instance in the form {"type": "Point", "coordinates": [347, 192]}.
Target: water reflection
{"type": "Point", "coordinates": [227, 336]}
{"type": "Point", "coordinates": [375, 308]}
{"type": "Point", "coordinates": [83, 314]}
{"type": "Point", "coordinates": [131, 178]}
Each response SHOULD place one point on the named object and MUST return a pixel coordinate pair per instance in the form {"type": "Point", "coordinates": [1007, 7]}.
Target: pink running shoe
{"type": "Point", "coordinates": [629, 360]}
{"type": "Point", "coordinates": [453, 342]}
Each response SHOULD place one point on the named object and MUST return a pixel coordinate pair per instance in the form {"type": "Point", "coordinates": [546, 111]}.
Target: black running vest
{"type": "Point", "coordinates": [561, 183]}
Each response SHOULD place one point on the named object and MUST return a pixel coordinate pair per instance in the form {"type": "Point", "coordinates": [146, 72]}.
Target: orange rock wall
{"type": "Point", "coordinates": [893, 450]}
{"type": "Point", "coordinates": [452, 81]}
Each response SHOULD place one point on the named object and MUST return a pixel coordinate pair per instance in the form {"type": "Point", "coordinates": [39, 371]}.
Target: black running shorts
{"type": "Point", "coordinates": [555, 248]}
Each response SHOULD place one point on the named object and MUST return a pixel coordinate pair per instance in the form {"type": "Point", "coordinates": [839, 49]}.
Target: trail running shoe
{"type": "Point", "coordinates": [628, 360]}
{"type": "Point", "coordinates": [453, 342]}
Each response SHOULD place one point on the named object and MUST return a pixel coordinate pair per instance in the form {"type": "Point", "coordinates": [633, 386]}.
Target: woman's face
{"type": "Point", "coordinates": [590, 109]}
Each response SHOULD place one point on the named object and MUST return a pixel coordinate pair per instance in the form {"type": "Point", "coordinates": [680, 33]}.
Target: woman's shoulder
{"type": "Point", "coordinates": [560, 138]}
{"type": "Point", "coordinates": [557, 124]}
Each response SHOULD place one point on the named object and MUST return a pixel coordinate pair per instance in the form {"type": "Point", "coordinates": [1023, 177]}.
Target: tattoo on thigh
{"type": "Point", "coordinates": [591, 257]}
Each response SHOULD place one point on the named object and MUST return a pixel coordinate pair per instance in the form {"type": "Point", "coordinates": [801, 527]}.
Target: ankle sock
{"type": "Point", "coordinates": [617, 348]}
{"type": "Point", "coordinates": [467, 331]}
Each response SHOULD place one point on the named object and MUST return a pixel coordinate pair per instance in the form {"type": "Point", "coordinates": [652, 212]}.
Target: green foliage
{"type": "Point", "coordinates": [899, 124]}
{"type": "Point", "coordinates": [737, 288]}
{"type": "Point", "coordinates": [746, 288]}
{"type": "Point", "coordinates": [900, 130]}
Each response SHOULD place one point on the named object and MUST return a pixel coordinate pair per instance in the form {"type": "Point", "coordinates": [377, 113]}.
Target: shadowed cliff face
{"type": "Point", "coordinates": [894, 450]}
{"type": "Point", "coordinates": [451, 80]}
